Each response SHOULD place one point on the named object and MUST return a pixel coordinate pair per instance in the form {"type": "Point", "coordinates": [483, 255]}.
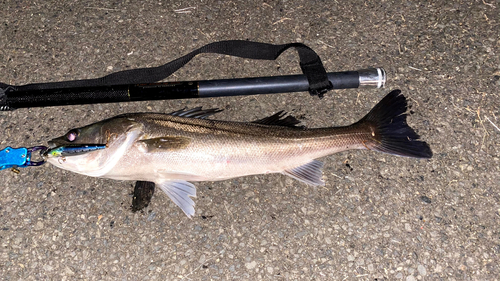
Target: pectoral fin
{"type": "Point", "coordinates": [164, 143]}
{"type": "Point", "coordinates": [309, 173]}
{"type": "Point", "coordinates": [180, 192]}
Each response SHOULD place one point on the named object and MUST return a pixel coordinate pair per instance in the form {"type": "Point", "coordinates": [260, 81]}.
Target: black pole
{"type": "Point", "coordinates": [13, 97]}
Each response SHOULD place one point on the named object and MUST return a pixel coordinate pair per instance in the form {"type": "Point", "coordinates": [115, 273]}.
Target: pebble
{"type": "Point", "coordinates": [408, 227]}
{"type": "Point", "coordinates": [39, 225]}
{"type": "Point", "coordinates": [371, 268]}
{"type": "Point", "coordinates": [425, 199]}
{"type": "Point", "coordinates": [68, 271]}
{"type": "Point", "coordinates": [251, 265]}
{"type": "Point", "coordinates": [410, 278]}
{"type": "Point", "coordinates": [301, 234]}
{"type": "Point", "coordinates": [152, 216]}
{"type": "Point", "coordinates": [421, 270]}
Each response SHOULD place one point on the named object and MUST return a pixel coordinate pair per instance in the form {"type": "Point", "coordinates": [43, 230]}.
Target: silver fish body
{"type": "Point", "coordinates": [173, 149]}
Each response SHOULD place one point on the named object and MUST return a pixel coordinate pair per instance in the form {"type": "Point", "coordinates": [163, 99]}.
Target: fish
{"type": "Point", "coordinates": [173, 150]}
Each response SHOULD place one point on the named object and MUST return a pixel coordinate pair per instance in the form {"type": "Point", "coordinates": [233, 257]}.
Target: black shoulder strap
{"type": "Point", "coordinates": [310, 63]}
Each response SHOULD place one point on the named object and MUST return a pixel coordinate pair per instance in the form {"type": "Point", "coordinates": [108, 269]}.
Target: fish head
{"type": "Point", "coordinates": [116, 135]}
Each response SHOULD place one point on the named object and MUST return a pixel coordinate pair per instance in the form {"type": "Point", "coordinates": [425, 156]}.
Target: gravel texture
{"type": "Point", "coordinates": [379, 217]}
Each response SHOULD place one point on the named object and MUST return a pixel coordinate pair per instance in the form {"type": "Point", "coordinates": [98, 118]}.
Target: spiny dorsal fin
{"type": "Point", "coordinates": [278, 120]}
{"type": "Point", "coordinates": [196, 112]}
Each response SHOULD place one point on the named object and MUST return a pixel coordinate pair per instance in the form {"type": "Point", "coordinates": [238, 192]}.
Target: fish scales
{"type": "Point", "coordinates": [230, 149]}
{"type": "Point", "coordinates": [227, 154]}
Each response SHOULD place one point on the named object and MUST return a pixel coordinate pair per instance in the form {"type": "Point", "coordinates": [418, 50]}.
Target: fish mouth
{"type": "Point", "coordinates": [59, 142]}
{"type": "Point", "coordinates": [51, 144]}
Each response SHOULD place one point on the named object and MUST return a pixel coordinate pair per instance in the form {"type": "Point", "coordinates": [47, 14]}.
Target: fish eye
{"type": "Point", "coordinates": [72, 135]}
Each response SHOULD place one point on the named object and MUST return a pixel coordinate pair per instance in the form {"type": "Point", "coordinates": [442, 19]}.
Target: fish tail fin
{"type": "Point", "coordinates": [391, 134]}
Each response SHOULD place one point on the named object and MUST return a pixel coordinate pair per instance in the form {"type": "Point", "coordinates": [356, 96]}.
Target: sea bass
{"type": "Point", "coordinates": [173, 149]}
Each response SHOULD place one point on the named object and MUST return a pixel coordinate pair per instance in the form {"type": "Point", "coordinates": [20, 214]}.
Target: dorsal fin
{"type": "Point", "coordinates": [278, 120]}
{"type": "Point", "coordinates": [196, 112]}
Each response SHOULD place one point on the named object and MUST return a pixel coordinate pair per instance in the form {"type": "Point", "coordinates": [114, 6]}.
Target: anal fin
{"type": "Point", "coordinates": [309, 173]}
{"type": "Point", "coordinates": [180, 192]}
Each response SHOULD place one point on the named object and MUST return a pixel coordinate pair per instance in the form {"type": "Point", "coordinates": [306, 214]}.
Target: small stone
{"type": "Point", "coordinates": [371, 268]}
{"type": "Point", "coordinates": [152, 216]}
{"type": "Point", "coordinates": [39, 225]}
{"type": "Point", "coordinates": [421, 270]}
{"type": "Point", "coordinates": [270, 270]}
{"type": "Point", "coordinates": [251, 265]}
{"type": "Point", "coordinates": [350, 258]}
{"type": "Point", "coordinates": [425, 199]}
{"type": "Point", "coordinates": [410, 278]}
{"type": "Point", "coordinates": [202, 259]}
{"type": "Point", "coordinates": [301, 234]}
{"type": "Point", "coordinates": [408, 227]}
{"type": "Point", "coordinates": [68, 271]}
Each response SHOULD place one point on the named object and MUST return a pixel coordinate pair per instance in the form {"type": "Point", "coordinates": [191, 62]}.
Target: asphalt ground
{"type": "Point", "coordinates": [380, 217]}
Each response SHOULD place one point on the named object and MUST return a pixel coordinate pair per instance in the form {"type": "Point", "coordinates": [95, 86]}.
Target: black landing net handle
{"type": "Point", "coordinates": [13, 98]}
{"type": "Point", "coordinates": [141, 84]}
